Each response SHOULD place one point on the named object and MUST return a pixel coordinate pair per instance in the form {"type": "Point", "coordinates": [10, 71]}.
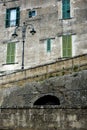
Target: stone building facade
{"type": "Point", "coordinates": [61, 31]}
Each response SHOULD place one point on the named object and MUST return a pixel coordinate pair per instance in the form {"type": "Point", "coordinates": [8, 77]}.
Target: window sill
{"type": "Point", "coordinates": [11, 26]}
{"type": "Point", "coordinates": [10, 63]}
{"type": "Point", "coordinates": [67, 18]}
{"type": "Point", "coordinates": [62, 34]}
{"type": "Point", "coordinates": [33, 19]}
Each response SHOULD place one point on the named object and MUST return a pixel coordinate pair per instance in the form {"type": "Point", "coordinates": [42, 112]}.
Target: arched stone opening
{"type": "Point", "coordinates": [47, 100]}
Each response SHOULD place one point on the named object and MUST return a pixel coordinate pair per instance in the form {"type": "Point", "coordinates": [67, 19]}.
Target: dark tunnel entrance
{"type": "Point", "coordinates": [47, 100]}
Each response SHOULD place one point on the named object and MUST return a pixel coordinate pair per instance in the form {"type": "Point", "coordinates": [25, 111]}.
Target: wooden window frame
{"type": "Point", "coordinates": [17, 21]}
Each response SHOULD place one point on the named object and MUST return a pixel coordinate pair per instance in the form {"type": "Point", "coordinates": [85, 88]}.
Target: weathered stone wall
{"type": "Point", "coordinates": [70, 90]}
{"type": "Point", "coordinates": [18, 96]}
{"type": "Point", "coordinates": [42, 72]}
{"type": "Point", "coordinates": [43, 119]}
{"type": "Point", "coordinates": [18, 110]}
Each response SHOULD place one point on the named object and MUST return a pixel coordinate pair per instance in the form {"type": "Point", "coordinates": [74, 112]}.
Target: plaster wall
{"type": "Point", "coordinates": [48, 23]}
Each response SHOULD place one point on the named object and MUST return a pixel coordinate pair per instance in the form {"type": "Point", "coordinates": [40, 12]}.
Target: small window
{"type": "Point", "coordinates": [66, 9]}
{"type": "Point", "coordinates": [67, 46]}
{"type": "Point", "coordinates": [32, 13]}
{"type": "Point", "coordinates": [48, 45]}
{"type": "Point", "coordinates": [10, 53]}
{"type": "Point", "coordinates": [12, 17]}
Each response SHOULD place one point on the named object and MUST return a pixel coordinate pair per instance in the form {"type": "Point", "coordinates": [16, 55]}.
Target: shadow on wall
{"type": "Point", "coordinates": [47, 100]}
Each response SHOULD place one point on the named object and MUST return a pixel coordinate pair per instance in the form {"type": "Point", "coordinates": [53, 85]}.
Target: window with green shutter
{"type": "Point", "coordinates": [10, 53]}
{"type": "Point", "coordinates": [12, 17]}
{"type": "Point", "coordinates": [66, 9]}
{"type": "Point", "coordinates": [67, 45]}
{"type": "Point", "coordinates": [32, 13]}
{"type": "Point", "coordinates": [48, 45]}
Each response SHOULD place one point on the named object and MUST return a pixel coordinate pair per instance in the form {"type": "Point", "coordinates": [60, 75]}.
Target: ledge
{"type": "Point", "coordinates": [10, 63]}
{"type": "Point", "coordinates": [44, 107]}
{"type": "Point", "coordinates": [33, 19]}
{"type": "Point", "coordinates": [64, 34]}
{"type": "Point", "coordinates": [67, 18]}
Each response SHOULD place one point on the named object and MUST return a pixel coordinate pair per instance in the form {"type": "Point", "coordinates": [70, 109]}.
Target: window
{"type": "Point", "coordinates": [48, 45]}
{"type": "Point", "coordinates": [66, 9]}
{"type": "Point", "coordinates": [67, 46]}
{"type": "Point", "coordinates": [32, 13]}
{"type": "Point", "coordinates": [12, 17]}
{"type": "Point", "coordinates": [10, 53]}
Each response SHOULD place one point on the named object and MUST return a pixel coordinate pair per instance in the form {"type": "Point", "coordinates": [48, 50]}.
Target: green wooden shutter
{"type": "Point", "coordinates": [10, 53]}
{"type": "Point", "coordinates": [64, 46]}
{"type": "Point", "coordinates": [69, 40]}
{"type": "Point", "coordinates": [30, 13]}
{"type": "Point", "coordinates": [17, 16]}
{"type": "Point", "coordinates": [67, 46]}
{"type": "Point", "coordinates": [7, 22]}
{"type": "Point", "coordinates": [48, 45]}
{"type": "Point", "coordinates": [66, 9]}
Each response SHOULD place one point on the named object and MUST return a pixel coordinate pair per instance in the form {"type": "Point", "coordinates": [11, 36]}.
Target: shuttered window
{"type": "Point", "coordinates": [67, 46]}
{"type": "Point", "coordinates": [10, 53]}
{"type": "Point", "coordinates": [12, 17]}
{"type": "Point", "coordinates": [48, 45]}
{"type": "Point", "coordinates": [66, 9]}
{"type": "Point", "coordinates": [32, 13]}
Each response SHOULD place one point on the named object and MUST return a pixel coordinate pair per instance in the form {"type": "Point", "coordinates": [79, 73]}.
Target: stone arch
{"type": "Point", "coordinates": [47, 100]}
